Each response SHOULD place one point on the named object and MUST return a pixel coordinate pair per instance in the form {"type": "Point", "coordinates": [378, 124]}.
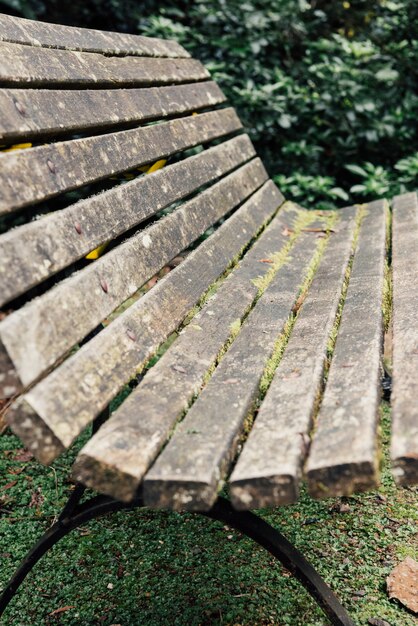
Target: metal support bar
{"type": "Point", "coordinates": [272, 540]}
{"type": "Point", "coordinates": [81, 514]}
{"type": "Point", "coordinates": [254, 527]}
{"type": "Point", "coordinates": [79, 489]}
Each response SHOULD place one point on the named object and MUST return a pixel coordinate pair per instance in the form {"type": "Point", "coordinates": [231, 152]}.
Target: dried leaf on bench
{"type": "Point", "coordinates": [403, 583]}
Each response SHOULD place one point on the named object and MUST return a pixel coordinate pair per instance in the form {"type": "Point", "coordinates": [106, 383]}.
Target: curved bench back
{"type": "Point", "coordinates": [125, 147]}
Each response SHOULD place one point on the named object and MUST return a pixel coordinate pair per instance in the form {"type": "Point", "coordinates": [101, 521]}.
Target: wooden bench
{"type": "Point", "coordinates": [269, 330]}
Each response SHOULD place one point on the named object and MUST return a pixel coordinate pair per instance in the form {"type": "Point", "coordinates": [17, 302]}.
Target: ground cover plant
{"type": "Point", "coordinates": [126, 569]}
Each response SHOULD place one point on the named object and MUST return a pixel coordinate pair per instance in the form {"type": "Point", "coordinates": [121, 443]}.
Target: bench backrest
{"type": "Point", "coordinates": [88, 108]}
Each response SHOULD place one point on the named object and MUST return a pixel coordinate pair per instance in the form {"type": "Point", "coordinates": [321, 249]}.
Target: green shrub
{"type": "Point", "coordinates": [320, 86]}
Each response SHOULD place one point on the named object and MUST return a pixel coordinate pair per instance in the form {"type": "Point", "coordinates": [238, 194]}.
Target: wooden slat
{"type": "Point", "coordinates": [33, 33]}
{"type": "Point", "coordinates": [48, 420]}
{"type": "Point", "coordinates": [268, 470]}
{"type": "Point", "coordinates": [41, 248]}
{"type": "Point", "coordinates": [343, 457]}
{"type": "Point", "coordinates": [35, 174]}
{"type": "Point", "coordinates": [189, 471]}
{"type": "Point", "coordinates": [26, 66]}
{"type": "Point", "coordinates": [37, 335]}
{"type": "Point", "coordinates": [27, 113]}
{"type": "Point", "coordinates": [404, 450]}
{"type": "Point", "coordinates": [115, 460]}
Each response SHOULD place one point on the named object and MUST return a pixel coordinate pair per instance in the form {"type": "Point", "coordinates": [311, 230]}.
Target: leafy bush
{"type": "Point", "coordinates": [328, 90]}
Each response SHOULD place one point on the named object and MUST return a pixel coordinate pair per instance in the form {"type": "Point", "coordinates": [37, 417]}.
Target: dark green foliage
{"type": "Point", "coordinates": [320, 85]}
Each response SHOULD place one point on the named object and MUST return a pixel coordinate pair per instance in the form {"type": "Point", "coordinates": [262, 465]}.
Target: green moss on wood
{"type": "Point", "coordinates": [387, 299]}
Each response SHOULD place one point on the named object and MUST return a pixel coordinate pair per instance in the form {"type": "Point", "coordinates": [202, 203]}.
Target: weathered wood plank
{"type": "Point", "coordinates": [38, 334]}
{"type": "Point", "coordinates": [343, 456]}
{"type": "Point", "coordinates": [33, 33]}
{"type": "Point", "coordinates": [26, 66]}
{"type": "Point", "coordinates": [35, 174]}
{"type": "Point", "coordinates": [41, 248]}
{"type": "Point", "coordinates": [48, 420]}
{"type": "Point", "coordinates": [28, 113]}
{"type": "Point", "coordinates": [269, 468]}
{"type": "Point", "coordinates": [10, 383]}
{"type": "Point", "coordinates": [404, 449]}
{"type": "Point", "coordinates": [115, 460]}
{"type": "Point", "coordinates": [191, 468]}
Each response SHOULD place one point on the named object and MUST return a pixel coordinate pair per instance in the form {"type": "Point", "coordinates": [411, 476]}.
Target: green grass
{"type": "Point", "coordinates": [180, 569]}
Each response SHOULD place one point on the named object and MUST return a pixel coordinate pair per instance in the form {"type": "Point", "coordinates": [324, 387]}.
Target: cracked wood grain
{"type": "Point", "coordinates": [268, 469]}
{"type": "Point", "coordinates": [35, 174]}
{"type": "Point", "coordinates": [189, 472]}
{"type": "Point", "coordinates": [404, 448]}
{"type": "Point", "coordinates": [115, 460]}
{"type": "Point", "coordinates": [48, 418]}
{"type": "Point", "coordinates": [29, 113]}
{"type": "Point", "coordinates": [43, 34]}
{"type": "Point", "coordinates": [343, 457]}
{"type": "Point", "coordinates": [27, 66]}
{"type": "Point", "coordinates": [43, 247]}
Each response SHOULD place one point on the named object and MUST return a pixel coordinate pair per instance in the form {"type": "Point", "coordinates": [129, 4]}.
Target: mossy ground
{"type": "Point", "coordinates": [151, 568]}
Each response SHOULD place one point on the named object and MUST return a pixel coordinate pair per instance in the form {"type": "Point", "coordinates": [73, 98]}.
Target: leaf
{"type": "Point", "coordinates": [9, 485]}
{"type": "Point", "coordinates": [61, 610]}
{"type": "Point", "coordinates": [23, 455]}
{"type": "Point", "coordinates": [339, 193]}
{"type": "Point", "coordinates": [358, 189]}
{"type": "Point", "coordinates": [36, 499]}
{"type": "Point", "coordinates": [369, 106]}
{"type": "Point", "coordinates": [285, 121]}
{"type": "Point", "coordinates": [387, 75]}
{"type": "Point", "coordinates": [402, 583]}
{"type": "Point", "coordinates": [356, 169]}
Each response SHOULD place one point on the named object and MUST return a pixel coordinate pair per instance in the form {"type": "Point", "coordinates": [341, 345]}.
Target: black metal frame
{"type": "Point", "coordinates": [75, 514]}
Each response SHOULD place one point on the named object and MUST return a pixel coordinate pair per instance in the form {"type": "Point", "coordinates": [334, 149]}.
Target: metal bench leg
{"type": "Point", "coordinates": [269, 538]}
{"type": "Point", "coordinates": [72, 515]}
{"type": "Point", "coordinates": [244, 521]}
